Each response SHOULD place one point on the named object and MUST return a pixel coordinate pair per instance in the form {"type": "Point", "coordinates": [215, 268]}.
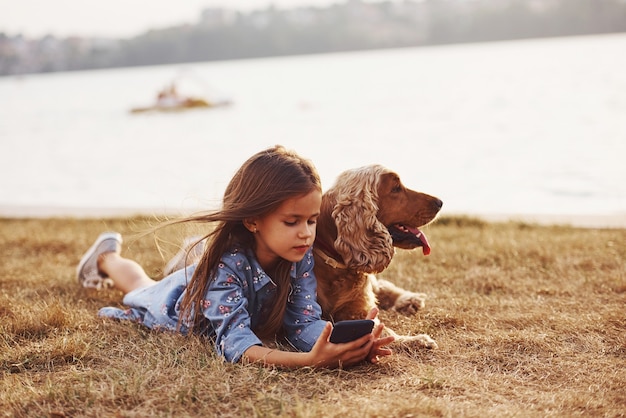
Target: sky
{"type": "Point", "coordinates": [115, 18]}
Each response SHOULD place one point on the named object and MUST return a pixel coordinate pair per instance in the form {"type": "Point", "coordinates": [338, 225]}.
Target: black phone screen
{"type": "Point", "coordinates": [346, 331]}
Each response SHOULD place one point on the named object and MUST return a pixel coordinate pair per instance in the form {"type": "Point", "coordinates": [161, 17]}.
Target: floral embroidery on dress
{"type": "Point", "coordinates": [234, 297]}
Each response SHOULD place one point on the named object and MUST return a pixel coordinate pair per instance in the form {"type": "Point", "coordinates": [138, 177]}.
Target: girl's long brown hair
{"type": "Point", "coordinates": [263, 183]}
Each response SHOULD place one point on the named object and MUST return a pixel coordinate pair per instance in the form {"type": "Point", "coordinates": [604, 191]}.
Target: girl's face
{"type": "Point", "coordinates": [287, 232]}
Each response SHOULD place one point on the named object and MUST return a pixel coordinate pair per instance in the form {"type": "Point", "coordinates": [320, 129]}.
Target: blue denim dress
{"type": "Point", "coordinates": [239, 298]}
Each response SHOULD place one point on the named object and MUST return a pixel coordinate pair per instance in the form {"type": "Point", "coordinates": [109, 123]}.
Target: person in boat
{"type": "Point", "coordinates": [169, 97]}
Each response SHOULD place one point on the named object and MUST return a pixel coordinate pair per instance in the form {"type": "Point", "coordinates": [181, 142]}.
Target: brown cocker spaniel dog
{"type": "Point", "coordinates": [364, 216]}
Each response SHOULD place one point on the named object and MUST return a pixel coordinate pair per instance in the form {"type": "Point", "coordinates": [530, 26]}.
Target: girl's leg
{"type": "Point", "coordinates": [126, 275]}
{"type": "Point", "coordinates": [103, 266]}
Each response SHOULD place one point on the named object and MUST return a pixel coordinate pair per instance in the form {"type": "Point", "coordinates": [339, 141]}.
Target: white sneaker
{"type": "Point", "coordinates": [87, 271]}
{"type": "Point", "coordinates": [189, 253]}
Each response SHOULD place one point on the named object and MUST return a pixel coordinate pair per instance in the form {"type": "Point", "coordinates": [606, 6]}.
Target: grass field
{"type": "Point", "coordinates": [530, 322]}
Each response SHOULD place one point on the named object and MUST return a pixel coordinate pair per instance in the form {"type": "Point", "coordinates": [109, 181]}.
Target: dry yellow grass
{"type": "Point", "coordinates": [530, 321]}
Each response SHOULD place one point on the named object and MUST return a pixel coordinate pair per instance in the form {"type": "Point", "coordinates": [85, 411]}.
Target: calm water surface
{"type": "Point", "coordinates": [533, 126]}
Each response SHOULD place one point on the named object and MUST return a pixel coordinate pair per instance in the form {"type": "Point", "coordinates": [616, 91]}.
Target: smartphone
{"type": "Point", "coordinates": [346, 331]}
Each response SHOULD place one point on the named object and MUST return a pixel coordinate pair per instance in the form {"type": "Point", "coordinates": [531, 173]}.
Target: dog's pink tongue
{"type": "Point", "coordinates": [422, 237]}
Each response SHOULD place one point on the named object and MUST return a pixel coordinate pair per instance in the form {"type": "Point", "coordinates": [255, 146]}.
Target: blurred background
{"type": "Point", "coordinates": [498, 107]}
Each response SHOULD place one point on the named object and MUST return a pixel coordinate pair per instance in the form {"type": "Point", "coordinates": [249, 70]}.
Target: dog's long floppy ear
{"type": "Point", "coordinates": [362, 241]}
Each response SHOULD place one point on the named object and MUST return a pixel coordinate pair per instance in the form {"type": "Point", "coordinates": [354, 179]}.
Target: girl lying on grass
{"type": "Point", "coordinates": [255, 280]}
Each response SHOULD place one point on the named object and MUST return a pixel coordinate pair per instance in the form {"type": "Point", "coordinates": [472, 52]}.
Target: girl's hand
{"type": "Point", "coordinates": [378, 344]}
{"type": "Point", "coordinates": [370, 347]}
{"type": "Point", "coordinates": [327, 354]}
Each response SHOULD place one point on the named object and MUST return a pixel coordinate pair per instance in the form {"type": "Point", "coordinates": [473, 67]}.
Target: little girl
{"type": "Point", "coordinates": [255, 279]}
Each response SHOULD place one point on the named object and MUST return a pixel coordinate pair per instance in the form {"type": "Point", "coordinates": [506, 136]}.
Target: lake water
{"type": "Point", "coordinates": [523, 127]}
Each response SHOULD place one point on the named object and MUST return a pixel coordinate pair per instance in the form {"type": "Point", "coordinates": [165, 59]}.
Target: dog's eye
{"type": "Point", "coordinates": [396, 189]}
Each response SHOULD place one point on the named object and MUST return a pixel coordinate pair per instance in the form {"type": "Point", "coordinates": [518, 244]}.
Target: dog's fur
{"type": "Point", "coordinates": [357, 234]}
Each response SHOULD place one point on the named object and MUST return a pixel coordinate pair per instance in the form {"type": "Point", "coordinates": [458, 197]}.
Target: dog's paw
{"type": "Point", "coordinates": [409, 303]}
{"type": "Point", "coordinates": [427, 342]}
{"type": "Point", "coordinates": [417, 341]}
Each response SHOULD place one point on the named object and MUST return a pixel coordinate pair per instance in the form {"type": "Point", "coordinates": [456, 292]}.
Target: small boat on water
{"type": "Point", "coordinates": [169, 100]}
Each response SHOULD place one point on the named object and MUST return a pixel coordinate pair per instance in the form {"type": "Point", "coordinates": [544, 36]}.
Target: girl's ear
{"type": "Point", "coordinates": [250, 225]}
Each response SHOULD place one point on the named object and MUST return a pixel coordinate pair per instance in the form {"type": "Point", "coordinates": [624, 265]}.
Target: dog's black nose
{"type": "Point", "coordinates": [438, 203]}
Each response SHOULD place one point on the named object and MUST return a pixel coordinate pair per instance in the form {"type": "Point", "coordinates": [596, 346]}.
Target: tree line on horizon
{"type": "Point", "coordinates": [222, 34]}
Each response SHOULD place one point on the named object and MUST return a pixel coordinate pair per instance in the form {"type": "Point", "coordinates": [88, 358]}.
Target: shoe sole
{"type": "Point", "coordinates": [103, 237]}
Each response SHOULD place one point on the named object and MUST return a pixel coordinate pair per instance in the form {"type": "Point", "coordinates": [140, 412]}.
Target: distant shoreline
{"type": "Point", "coordinates": [613, 221]}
